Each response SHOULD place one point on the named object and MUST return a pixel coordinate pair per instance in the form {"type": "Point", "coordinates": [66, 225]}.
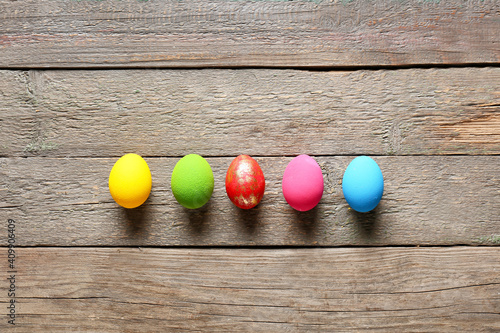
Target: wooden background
{"type": "Point", "coordinates": [414, 84]}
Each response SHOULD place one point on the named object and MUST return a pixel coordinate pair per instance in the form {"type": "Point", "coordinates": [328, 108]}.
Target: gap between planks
{"type": "Point", "coordinates": [277, 68]}
{"type": "Point", "coordinates": [262, 247]}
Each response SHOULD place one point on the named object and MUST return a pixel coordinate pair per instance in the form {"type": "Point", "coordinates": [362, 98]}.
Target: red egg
{"type": "Point", "coordinates": [245, 183]}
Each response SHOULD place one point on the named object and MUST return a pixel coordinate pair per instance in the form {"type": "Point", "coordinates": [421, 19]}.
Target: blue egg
{"type": "Point", "coordinates": [363, 184]}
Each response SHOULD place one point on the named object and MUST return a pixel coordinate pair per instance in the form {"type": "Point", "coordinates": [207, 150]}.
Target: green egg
{"type": "Point", "coordinates": [192, 181]}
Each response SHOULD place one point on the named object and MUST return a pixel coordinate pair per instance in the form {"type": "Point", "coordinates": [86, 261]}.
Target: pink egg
{"type": "Point", "coordinates": [303, 183]}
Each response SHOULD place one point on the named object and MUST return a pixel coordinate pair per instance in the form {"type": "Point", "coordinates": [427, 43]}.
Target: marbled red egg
{"type": "Point", "coordinates": [245, 183]}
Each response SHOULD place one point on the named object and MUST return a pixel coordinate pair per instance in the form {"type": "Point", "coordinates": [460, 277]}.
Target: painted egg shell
{"type": "Point", "coordinates": [245, 183]}
{"type": "Point", "coordinates": [130, 181]}
{"type": "Point", "coordinates": [303, 183]}
{"type": "Point", "coordinates": [363, 184]}
{"type": "Point", "coordinates": [192, 181]}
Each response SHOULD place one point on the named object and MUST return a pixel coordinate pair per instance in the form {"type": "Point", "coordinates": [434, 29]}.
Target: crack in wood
{"type": "Point", "coordinates": [240, 304]}
{"type": "Point", "coordinates": [63, 298]}
{"type": "Point", "coordinates": [480, 313]}
{"type": "Point", "coordinates": [427, 291]}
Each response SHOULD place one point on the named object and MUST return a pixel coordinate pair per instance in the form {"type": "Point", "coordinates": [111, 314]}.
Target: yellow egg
{"type": "Point", "coordinates": [130, 181]}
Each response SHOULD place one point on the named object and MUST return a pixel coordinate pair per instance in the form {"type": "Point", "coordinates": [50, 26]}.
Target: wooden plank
{"type": "Point", "coordinates": [241, 290]}
{"type": "Point", "coordinates": [45, 34]}
{"type": "Point", "coordinates": [257, 112]}
{"type": "Point", "coordinates": [428, 200]}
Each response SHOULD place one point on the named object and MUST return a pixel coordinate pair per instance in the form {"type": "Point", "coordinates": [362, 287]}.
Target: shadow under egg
{"type": "Point", "coordinates": [198, 219]}
{"type": "Point", "coordinates": [307, 222]}
{"type": "Point", "coordinates": [136, 226]}
{"type": "Point", "coordinates": [367, 223]}
{"type": "Point", "coordinates": [249, 219]}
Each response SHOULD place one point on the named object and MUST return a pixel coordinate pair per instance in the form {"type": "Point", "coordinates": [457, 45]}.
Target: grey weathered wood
{"type": "Point", "coordinates": [247, 33]}
{"type": "Point", "coordinates": [240, 290]}
{"type": "Point", "coordinates": [257, 112]}
{"type": "Point", "coordinates": [61, 131]}
{"type": "Point", "coordinates": [432, 200]}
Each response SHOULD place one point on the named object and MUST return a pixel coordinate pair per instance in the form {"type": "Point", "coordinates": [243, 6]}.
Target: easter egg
{"type": "Point", "coordinates": [192, 181]}
{"type": "Point", "coordinates": [363, 184]}
{"type": "Point", "coordinates": [303, 183]}
{"type": "Point", "coordinates": [130, 181]}
{"type": "Point", "coordinates": [245, 183]}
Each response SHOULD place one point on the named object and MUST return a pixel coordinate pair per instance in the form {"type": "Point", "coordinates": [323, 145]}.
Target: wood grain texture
{"type": "Point", "coordinates": [236, 290]}
{"type": "Point", "coordinates": [428, 200]}
{"type": "Point", "coordinates": [257, 112]}
{"type": "Point", "coordinates": [247, 33]}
